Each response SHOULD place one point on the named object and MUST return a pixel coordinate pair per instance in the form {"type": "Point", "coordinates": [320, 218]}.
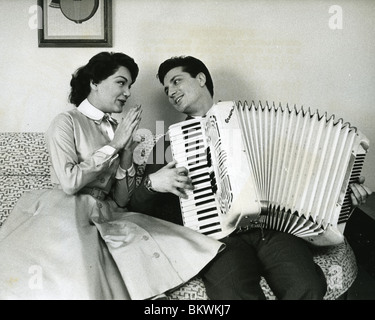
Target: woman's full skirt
{"type": "Point", "coordinates": [59, 246]}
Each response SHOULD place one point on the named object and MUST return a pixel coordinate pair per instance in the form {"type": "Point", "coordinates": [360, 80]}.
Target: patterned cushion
{"type": "Point", "coordinates": [23, 154]}
{"type": "Point", "coordinates": [24, 165]}
{"type": "Point", "coordinates": [12, 187]}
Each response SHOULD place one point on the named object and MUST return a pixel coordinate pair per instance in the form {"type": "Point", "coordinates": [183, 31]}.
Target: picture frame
{"type": "Point", "coordinates": [70, 23]}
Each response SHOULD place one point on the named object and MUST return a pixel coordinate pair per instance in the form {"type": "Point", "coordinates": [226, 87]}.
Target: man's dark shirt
{"type": "Point", "coordinates": [164, 206]}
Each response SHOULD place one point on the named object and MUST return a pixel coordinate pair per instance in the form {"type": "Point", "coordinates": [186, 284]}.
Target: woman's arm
{"type": "Point", "coordinates": [125, 179]}
{"type": "Point", "coordinates": [124, 143]}
{"type": "Point", "coordinates": [72, 174]}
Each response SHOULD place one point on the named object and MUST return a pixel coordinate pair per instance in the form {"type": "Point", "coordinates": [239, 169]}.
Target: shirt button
{"type": "Point", "coordinates": [145, 238]}
{"type": "Point", "coordinates": [156, 255]}
{"type": "Point", "coordinates": [100, 205]}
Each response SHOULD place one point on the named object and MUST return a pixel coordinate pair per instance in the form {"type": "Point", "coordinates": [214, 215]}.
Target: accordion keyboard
{"type": "Point", "coordinates": [190, 150]}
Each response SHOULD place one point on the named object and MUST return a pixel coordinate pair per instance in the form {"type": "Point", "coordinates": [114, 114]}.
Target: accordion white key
{"type": "Point", "coordinates": [266, 166]}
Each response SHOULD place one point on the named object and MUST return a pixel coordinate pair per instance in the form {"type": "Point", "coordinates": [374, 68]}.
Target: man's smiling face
{"type": "Point", "coordinates": [184, 92]}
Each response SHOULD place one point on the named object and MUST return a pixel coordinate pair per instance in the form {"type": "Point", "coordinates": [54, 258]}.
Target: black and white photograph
{"type": "Point", "coordinates": [207, 151]}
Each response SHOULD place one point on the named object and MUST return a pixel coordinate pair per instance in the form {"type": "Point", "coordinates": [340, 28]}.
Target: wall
{"type": "Point", "coordinates": [279, 51]}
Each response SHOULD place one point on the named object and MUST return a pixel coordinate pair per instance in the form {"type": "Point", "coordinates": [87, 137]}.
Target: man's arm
{"type": "Point", "coordinates": [169, 184]}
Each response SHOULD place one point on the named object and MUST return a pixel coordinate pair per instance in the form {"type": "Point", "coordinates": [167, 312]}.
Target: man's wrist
{"type": "Point", "coordinates": [148, 184]}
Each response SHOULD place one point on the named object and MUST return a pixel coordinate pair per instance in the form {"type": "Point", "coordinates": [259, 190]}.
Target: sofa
{"type": "Point", "coordinates": [24, 165]}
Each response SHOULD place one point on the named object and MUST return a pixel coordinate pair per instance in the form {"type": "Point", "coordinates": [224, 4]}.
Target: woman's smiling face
{"type": "Point", "coordinates": [110, 94]}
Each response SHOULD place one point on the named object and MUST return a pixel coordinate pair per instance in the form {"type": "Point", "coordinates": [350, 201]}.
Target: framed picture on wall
{"type": "Point", "coordinates": [75, 23]}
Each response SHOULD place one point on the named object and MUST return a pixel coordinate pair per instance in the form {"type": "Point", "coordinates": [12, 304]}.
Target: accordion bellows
{"type": "Point", "coordinates": [261, 165]}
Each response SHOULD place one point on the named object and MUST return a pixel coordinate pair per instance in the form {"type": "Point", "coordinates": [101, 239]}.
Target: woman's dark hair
{"type": "Point", "coordinates": [99, 68]}
{"type": "Point", "coordinates": [189, 64]}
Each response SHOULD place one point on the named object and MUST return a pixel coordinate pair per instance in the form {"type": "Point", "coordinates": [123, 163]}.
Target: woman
{"type": "Point", "coordinates": [77, 240]}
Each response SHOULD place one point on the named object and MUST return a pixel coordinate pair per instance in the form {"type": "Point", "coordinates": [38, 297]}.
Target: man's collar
{"type": "Point", "coordinates": [189, 117]}
{"type": "Point", "coordinates": [87, 109]}
{"type": "Point", "coordinates": [194, 117]}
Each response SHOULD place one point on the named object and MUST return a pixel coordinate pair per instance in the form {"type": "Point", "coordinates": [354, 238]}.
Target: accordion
{"type": "Point", "coordinates": [267, 166]}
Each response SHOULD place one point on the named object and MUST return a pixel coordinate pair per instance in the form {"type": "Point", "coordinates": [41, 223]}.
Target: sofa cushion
{"type": "Point", "coordinates": [23, 153]}
{"type": "Point", "coordinates": [12, 187]}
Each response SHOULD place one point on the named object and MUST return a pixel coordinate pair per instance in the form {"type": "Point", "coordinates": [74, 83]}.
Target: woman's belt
{"type": "Point", "coordinates": [96, 193]}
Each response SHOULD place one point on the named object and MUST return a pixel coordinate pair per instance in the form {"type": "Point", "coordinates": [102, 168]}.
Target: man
{"type": "Point", "coordinates": [284, 260]}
